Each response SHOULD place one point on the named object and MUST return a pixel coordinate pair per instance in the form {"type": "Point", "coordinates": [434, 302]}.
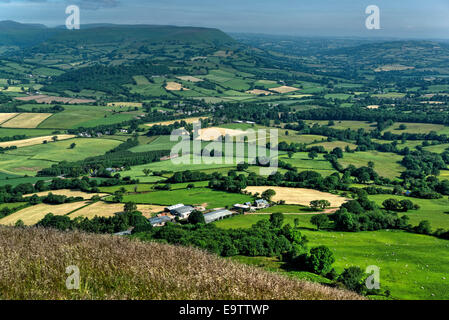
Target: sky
{"type": "Point", "coordinates": [398, 18]}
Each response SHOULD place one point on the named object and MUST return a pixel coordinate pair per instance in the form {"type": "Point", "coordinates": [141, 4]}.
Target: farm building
{"type": "Point", "coordinates": [262, 203]}
{"type": "Point", "coordinates": [159, 221]}
{"type": "Point", "coordinates": [182, 212]}
{"type": "Point", "coordinates": [173, 207]}
{"type": "Point", "coordinates": [239, 206]}
{"type": "Point", "coordinates": [217, 215]}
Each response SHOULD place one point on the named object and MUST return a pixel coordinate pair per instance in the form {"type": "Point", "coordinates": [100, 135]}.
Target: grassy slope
{"type": "Point", "coordinates": [412, 266]}
{"type": "Point", "coordinates": [126, 269]}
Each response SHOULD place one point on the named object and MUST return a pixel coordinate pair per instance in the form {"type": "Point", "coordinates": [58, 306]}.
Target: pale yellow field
{"type": "Point", "coordinates": [26, 120]}
{"type": "Point", "coordinates": [69, 193]}
{"type": "Point", "coordinates": [190, 78]}
{"type": "Point", "coordinates": [258, 92]}
{"type": "Point", "coordinates": [125, 104]}
{"type": "Point", "coordinates": [6, 116]}
{"type": "Point", "coordinates": [210, 134]}
{"type": "Point", "coordinates": [299, 195]}
{"type": "Point", "coordinates": [174, 86]}
{"type": "Point", "coordinates": [392, 67]}
{"type": "Point", "coordinates": [34, 214]}
{"type": "Point", "coordinates": [103, 209]}
{"type": "Point", "coordinates": [166, 123]}
{"type": "Point", "coordinates": [33, 141]}
{"type": "Point", "coordinates": [284, 89]}
{"type": "Point", "coordinates": [374, 106]}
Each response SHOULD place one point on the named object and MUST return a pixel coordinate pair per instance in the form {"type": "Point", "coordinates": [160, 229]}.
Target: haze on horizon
{"type": "Point", "coordinates": [344, 18]}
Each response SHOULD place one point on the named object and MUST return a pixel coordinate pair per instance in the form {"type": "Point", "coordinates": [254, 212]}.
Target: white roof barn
{"type": "Point", "coordinates": [217, 215]}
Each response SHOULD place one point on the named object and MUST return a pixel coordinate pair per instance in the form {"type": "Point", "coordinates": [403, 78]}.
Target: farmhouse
{"type": "Point", "coordinates": [159, 221]}
{"type": "Point", "coordinates": [217, 215]}
{"type": "Point", "coordinates": [262, 203]}
{"type": "Point", "coordinates": [239, 206]}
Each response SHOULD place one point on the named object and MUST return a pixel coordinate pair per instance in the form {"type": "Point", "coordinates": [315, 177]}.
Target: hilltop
{"type": "Point", "coordinates": [113, 267]}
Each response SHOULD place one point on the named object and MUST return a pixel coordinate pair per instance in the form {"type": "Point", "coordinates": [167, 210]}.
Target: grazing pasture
{"type": "Point", "coordinates": [195, 196]}
{"type": "Point", "coordinates": [385, 164]}
{"type": "Point", "coordinates": [299, 196]}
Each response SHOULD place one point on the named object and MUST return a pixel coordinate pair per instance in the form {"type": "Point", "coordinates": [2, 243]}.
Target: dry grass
{"type": "Point", "coordinates": [103, 209]}
{"type": "Point", "coordinates": [284, 89]}
{"type": "Point", "coordinates": [174, 86]}
{"type": "Point", "coordinates": [6, 116]}
{"type": "Point", "coordinates": [299, 195]}
{"type": "Point", "coordinates": [42, 98]}
{"type": "Point", "coordinates": [125, 104]}
{"type": "Point", "coordinates": [33, 263]}
{"type": "Point", "coordinates": [34, 214]}
{"type": "Point", "coordinates": [259, 92]}
{"type": "Point", "coordinates": [34, 141]}
{"type": "Point", "coordinates": [69, 193]}
{"type": "Point", "coordinates": [212, 133]}
{"type": "Point", "coordinates": [166, 123]}
{"type": "Point", "coordinates": [26, 120]}
{"type": "Point", "coordinates": [190, 78]}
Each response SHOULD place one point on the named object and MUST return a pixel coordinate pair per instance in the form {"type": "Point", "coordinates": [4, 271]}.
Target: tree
{"type": "Point", "coordinates": [423, 228]}
{"type": "Point", "coordinates": [352, 278]}
{"type": "Point", "coordinates": [276, 220]}
{"type": "Point", "coordinates": [268, 194]}
{"type": "Point", "coordinates": [54, 138]}
{"type": "Point", "coordinates": [73, 145]}
{"type": "Point", "coordinates": [320, 221]}
{"type": "Point", "coordinates": [391, 204]}
{"type": "Point", "coordinates": [196, 217]}
{"type": "Point", "coordinates": [130, 207]}
{"type": "Point", "coordinates": [290, 154]}
{"type": "Point", "coordinates": [146, 172]}
{"type": "Point", "coordinates": [312, 154]}
{"type": "Point", "coordinates": [319, 204]}
{"type": "Point", "coordinates": [19, 223]}
{"type": "Point", "coordinates": [370, 164]}
{"type": "Point", "coordinates": [320, 260]}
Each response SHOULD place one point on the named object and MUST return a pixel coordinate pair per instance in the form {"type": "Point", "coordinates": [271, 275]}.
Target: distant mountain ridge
{"type": "Point", "coordinates": [24, 35]}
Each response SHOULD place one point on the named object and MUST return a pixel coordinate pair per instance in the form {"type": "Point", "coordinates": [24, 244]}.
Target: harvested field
{"type": "Point", "coordinates": [190, 78]}
{"type": "Point", "coordinates": [42, 98]}
{"type": "Point", "coordinates": [284, 89]}
{"type": "Point", "coordinates": [34, 141]}
{"type": "Point", "coordinates": [299, 195]}
{"type": "Point", "coordinates": [372, 107]}
{"type": "Point", "coordinates": [174, 86]}
{"type": "Point", "coordinates": [6, 116]}
{"type": "Point", "coordinates": [69, 193]}
{"type": "Point", "coordinates": [125, 104]}
{"type": "Point", "coordinates": [259, 92]}
{"type": "Point", "coordinates": [166, 123]}
{"type": "Point", "coordinates": [26, 120]}
{"type": "Point", "coordinates": [103, 209]}
{"type": "Point", "coordinates": [392, 67]}
{"type": "Point", "coordinates": [34, 214]}
{"type": "Point", "coordinates": [210, 134]}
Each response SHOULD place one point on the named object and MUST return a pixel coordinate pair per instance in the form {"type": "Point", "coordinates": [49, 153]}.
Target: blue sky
{"type": "Point", "coordinates": [398, 18]}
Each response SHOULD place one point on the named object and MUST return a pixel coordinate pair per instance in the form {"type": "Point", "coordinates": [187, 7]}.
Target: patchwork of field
{"type": "Point", "coordinates": [299, 196]}
{"type": "Point", "coordinates": [68, 193]}
{"type": "Point", "coordinates": [346, 124]}
{"type": "Point", "coordinates": [32, 215]}
{"type": "Point", "coordinates": [26, 120]}
{"type": "Point", "coordinates": [196, 196]}
{"type": "Point", "coordinates": [103, 209]}
{"type": "Point", "coordinates": [34, 141]}
{"type": "Point", "coordinates": [385, 164]}
{"type": "Point", "coordinates": [174, 86]}
{"type": "Point", "coordinates": [417, 128]}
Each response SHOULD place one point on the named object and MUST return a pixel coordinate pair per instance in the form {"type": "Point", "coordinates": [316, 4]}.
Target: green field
{"type": "Point", "coordinates": [411, 266]}
{"type": "Point", "coordinates": [29, 160]}
{"type": "Point", "coordinates": [195, 196]}
{"type": "Point", "coordinates": [302, 162]}
{"type": "Point", "coordinates": [385, 164]}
